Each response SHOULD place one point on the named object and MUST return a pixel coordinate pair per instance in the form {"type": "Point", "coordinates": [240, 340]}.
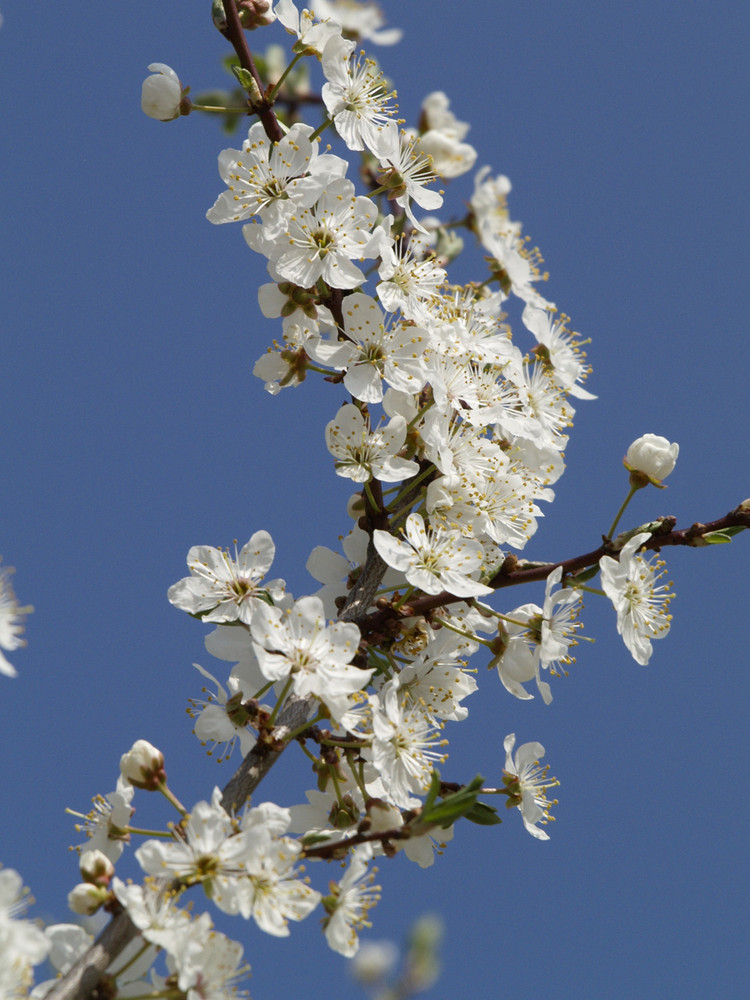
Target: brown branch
{"type": "Point", "coordinates": [81, 980]}
{"type": "Point", "coordinates": [235, 35]}
{"type": "Point", "coordinates": [509, 575]}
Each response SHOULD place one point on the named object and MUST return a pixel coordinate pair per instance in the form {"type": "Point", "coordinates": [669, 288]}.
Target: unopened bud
{"type": "Point", "coordinates": [650, 459]}
{"type": "Point", "coordinates": [255, 14]}
{"type": "Point", "coordinates": [86, 898]}
{"type": "Point", "coordinates": [383, 816]}
{"type": "Point", "coordinates": [96, 868]}
{"type": "Point", "coordinates": [143, 766]}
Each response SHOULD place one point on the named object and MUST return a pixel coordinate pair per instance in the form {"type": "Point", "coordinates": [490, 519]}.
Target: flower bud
{"type": "Point", "coordinates": [96, 868]}
{"type": "Point", "coordinates": [383, 816]}
{"type": "Point", "coordinates": [161, 94]}
{"type": "Point", "coordinates": [86, 899]}
{"type": "Point", "coordinates": [650, 459]}
{"type": "Point", "coordinates": [255, 14]}
{"type": "Point", "coordinates": [143, 766]}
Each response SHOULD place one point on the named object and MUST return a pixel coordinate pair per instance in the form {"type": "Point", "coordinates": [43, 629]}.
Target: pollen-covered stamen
{"type": "Point", "coordinates": [648, 602]}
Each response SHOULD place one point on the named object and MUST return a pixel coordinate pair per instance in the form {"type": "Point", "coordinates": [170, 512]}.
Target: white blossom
{"type": "Point", "coordinates": [641, 602]}
{"type": "Point", "coordinates": [161, 93]}
{"type": "Point", "coordinates": [350, 902]}
{"type": "Point", "coordinates": [376, 350]}
{"type": "Point", "coordinates": [226, 589]}
{"type": "Point", "coordinates": [434, 559]}
{"type": "Point", "coordinates": [273, 179]}
{"type": "Point", "coordinates": [653, 456]}
{"type": "Point", "coordinates": [297, 643]}
{"type": "Point", "coordinates": [357, 99]}
{"type": "Point", "coordinates": [11, 620]}
{"type": "Point", "coordinates": [528, 781]}
{"type": "Point", "coordinates": [362, 454]}
{"type": "Point", "coordinates": [322, 240]}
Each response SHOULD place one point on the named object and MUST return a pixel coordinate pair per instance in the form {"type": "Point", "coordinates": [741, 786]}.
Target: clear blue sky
{"type": "Point", "coordinates": [132, 428]}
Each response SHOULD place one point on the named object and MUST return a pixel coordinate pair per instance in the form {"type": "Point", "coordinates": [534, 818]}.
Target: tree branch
{"type": "Point", "coordinates": [509, 575]}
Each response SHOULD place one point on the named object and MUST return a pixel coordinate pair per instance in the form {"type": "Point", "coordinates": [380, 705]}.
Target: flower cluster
{"type": "Point", "coordinates": [460, 399]}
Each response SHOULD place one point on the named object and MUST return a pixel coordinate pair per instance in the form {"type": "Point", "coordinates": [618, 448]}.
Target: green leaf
{"type": "Point", "coordinates": [452, 807]}
{"type": "Point", "coordinates": [716, 537]}
{"type": "Point", "coordinates": [483, 815]}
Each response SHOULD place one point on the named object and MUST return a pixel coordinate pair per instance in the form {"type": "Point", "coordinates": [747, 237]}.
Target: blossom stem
{"type": "Point", "coordinates": [320, 129]}
{"type": "Point", "coordinates": [301, 729]}
{"type": "Point", "coordinates": [462, 632]}
{"type": "Point", "coordinates": [142, 832]}
{"type": "Point", "coordinates": [218, 110]}
{"type": "Point", "coordinates": [402, 600]}
{"type": "Point", "coordinates": [277, 86]}
{"type": "Point", "coordinates": [261, 691]}
{"type": "Point", "coordinates": [172, 798]}
{"type": "Point", "coordinates": [370, 497]}
{"type": "Point", "coordinates": [357, 773]}
{"type": "Point", "coordinates": [621, 511]}
{"type": "Point", "coordinates": [280, 702]}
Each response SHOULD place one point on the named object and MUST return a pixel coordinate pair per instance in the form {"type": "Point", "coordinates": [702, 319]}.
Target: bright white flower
{"type": "Point", "coordinates": [22, 943]}
{"type": "Point", "coordinates": [297, 643]}
{"type": "Point", "coordinates": [500, 507]}
{"type": "Point", "coordinates": [402, 747]}
{"type": "Point", "coordinates": [410, 171]}
{"type": "Point", "coordinates": [376, 351]}
{"type": "Point", "coordinates": [273, 179]}
{"type": "Point", "coordinates": [409, 279]}
{"type": "Point", "coordinates": [548, 406]}
{"type": "Point", "coordinates": [11, 620]}
{"type": "Point", "coordinates": [322, 240]}
{"type": "Point", "coordinates": [434, 559]}
{"type": "Point", "coordinates": [350, 902]}
{"type": "Point", "coordinates": [518, 664]}
{"type": "Point", "coordinates": [441, 137]}
{"type": "Point", "coordinates": [214, 725]}
{"type": "Point", "coordinates": [227, 588]}
{"type": "Point", "coordinates": [208, 965]}
{"type": "Point", "coordinates": [434, 679]}
{"type": "Point", "coordinates": [559, 623]}
{"type": "Point", "coordinates": [208, 850]}
{"type": "Point", "coordinates": [360, 18]}
{"type": "Point", "coordinates": [311, 34]}
{"type": "Point", "coordinates": [519, 661]}
{"type": "Point", "coordinates": [273, 895]}
{"type": "Point", "coordinates": [287, 364]}
{"type": "Point", "coordinates": [519, 265]}
{"type": "Point", "coordinates": [558, 348]}
{"type": "Point", "coordinates": [361, 454]}
{"type": "Point", "coordinates": [641, 603]}
{"type": "Point", "coordinates": [653, 456]}
{"type": "Point", "coordinates": [489, 203]}
{"type": "Point", "coordinates": [106, 826]}
{"type": "Point", "coordinates": [161, 93]}
{"type": "Point", "coordinates": [528, 782]}
{"type": "Point", "coordinates": [152, 910]}
{"type": "Point", "coordinates": [358, 100]}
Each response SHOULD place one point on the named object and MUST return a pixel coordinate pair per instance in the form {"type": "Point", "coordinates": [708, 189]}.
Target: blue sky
{"type": "Point", "coordinates": [133, 428]}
